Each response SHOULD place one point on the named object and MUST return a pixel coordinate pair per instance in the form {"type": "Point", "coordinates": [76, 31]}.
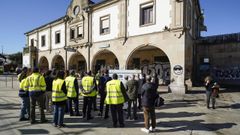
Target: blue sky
{"type": "Point", "coordinates": [20, 16]}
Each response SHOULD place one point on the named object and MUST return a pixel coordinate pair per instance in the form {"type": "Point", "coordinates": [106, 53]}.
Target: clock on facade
{"type": "Point", "coordinates": [76, 10]}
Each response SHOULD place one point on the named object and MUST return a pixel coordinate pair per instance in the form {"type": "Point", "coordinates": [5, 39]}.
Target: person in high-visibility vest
{"type": "Point", "coordinates": [116, 96]}
{"type": "Point", "coordinates": [37, 87]}
{"type": "Point", "coordinates": [88, 90]}
{"type": "Point", "coordinates": [59, 99]}
{"type": "Point", "coordinates": [72, 93]}
{"type": "Point", "coordinates": [23, 94]}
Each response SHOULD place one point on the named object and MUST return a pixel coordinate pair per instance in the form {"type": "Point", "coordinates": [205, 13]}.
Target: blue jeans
{"type": "Point", "coordinates": [58, 114]}
{"type": "Point", "coordinates": [25, 107]}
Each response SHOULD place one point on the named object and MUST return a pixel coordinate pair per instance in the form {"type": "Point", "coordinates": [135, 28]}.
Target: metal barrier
{"type": "Point", "coordinates": [9, 81]}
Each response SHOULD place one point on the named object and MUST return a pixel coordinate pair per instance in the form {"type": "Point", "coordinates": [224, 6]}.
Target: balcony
{"type": "Point", "coordinates": [25, 50]}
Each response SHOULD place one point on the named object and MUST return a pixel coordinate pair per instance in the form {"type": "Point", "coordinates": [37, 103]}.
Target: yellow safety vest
{"type": "Point", "coordinates": [71, 92]}
{"type": "Point", "coordinates": [114, 93]}
{"type": "Point", "coordinates": [57, 94]}
{"type": "Point", "coordinates": [87, 83]}
{"type": "Point", "coordinates": [23, 85]}
{"type": "Point", "coordinates": [36, 82]}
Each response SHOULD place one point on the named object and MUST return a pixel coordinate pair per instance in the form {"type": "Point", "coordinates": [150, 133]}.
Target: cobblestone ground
{"type": "Point", "coordinates": [181, 115]}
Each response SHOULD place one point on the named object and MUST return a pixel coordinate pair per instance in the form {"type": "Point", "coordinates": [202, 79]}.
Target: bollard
{"type": "Point", "coordinates": [12, 81]}
{"type": "Point", "coordinates": [6, 80]}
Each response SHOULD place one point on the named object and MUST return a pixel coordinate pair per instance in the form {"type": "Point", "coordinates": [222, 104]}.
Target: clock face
{"type": "Point", "coordinates": [76, 10]}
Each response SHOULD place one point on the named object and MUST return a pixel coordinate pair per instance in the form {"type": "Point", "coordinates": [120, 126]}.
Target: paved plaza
{"type": "Point", "coordinates": [181, 115]}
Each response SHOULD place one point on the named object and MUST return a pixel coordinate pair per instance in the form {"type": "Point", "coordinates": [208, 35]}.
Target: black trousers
{"type": "Point", "coordinates": [39, 100]}
{"type": "Point", "coordinates": [102, 99]}
{"type": "Point", "coordinates": [76, 103]}
{"type": "Point", "coordinates": [117, 114]}
{"type": "Point", "coordinates": [87, 106]}
{"type": "Point", "coordinates": [134, 109]}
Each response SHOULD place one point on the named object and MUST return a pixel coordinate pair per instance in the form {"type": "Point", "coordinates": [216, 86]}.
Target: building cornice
{"type": "Point", "coordinates": [45, 26]}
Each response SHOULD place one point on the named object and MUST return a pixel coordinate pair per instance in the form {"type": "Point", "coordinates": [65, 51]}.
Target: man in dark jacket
{"type": "Point", "coordinates": [209, 84]}
{"type": "Point", "coordinates": [149, 94]}
{"type": "Point", "coordinates": [102, 91]}
{"type": "Point", "coordinates": [48, 93]}
{"type": "Point", "coordinates": [132, 91]}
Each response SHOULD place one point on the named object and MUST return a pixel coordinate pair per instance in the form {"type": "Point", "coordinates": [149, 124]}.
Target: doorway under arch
{"type": "Point", "coordinates": [77, 62]}
{"type": "Point", "coordinates": [43, 64]}
{"type": "Point", "coordinates": [151, 60]}
{"type": "Point", "coordinates": [104, 60]}
{"type": "Point", "coordinates": [58, 63]}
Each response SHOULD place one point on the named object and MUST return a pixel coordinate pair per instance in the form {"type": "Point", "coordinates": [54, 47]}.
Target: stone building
{"type": "Point", "coordinates": [156, 36]}
{"type": "Point", "coordinates": [218, 56]}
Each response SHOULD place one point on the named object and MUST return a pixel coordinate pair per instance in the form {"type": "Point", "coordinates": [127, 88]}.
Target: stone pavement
{"type": "Point", "coordinates": [181, 115]}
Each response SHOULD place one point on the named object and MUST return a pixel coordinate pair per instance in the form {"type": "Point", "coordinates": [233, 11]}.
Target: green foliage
{"type": "Point", "coordinates": [16, 58]}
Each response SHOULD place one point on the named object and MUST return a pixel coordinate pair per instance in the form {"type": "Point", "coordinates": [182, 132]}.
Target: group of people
{"type": "Point", "coordinates": [56, 91]}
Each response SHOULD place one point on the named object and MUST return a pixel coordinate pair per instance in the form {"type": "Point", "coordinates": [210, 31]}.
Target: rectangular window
{"type": "Point", "coordinates": [72, 33]}
{"type": "Point", "coordinates": [32, 42]}
{"type": "Point", "coordinates": [105, 25]}
{"type": "Point", "coordinates": [57, 37]}
{"type": "Point", "coordinates": [43, 40]}
{"type": "Point", "coordinates": [146, 14]}
{"type": "Point", "coordinates": [80, 31]}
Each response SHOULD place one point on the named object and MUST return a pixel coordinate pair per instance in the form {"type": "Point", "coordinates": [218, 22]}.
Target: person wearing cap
{"type": "Point", "coordinates": [37, 87]}
{"type": "Point", "coordinates": [88, 91]}
{"type": "Point", "coordinates": [72, 93]}
{"type": "Point", "coordinates": [116, 96]}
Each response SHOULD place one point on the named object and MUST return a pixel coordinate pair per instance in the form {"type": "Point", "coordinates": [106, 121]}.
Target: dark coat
{"type": "Point", "coordinates": [132, 89]}
{"type": "Point", "coordinates": [149, 94]}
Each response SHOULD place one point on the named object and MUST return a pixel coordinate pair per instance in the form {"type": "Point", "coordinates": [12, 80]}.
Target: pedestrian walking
{"type": "Point", "coordinates": [37, 88]}
{"type": "Point", "coordinates": [72, 93]}
{"type": "Point", "coordinates": [149, 95]}
{"type": "Point", "coordinates": [59, 98]}
{"type": "Point", "coordinates": [116, 96]}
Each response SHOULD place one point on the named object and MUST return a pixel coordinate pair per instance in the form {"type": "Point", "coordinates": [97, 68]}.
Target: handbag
{"type": "Point", "coordinates": [159, 101]}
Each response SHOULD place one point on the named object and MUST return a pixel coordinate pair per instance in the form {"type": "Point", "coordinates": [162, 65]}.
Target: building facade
{"type": "Point", "coordinates": [156, 36]}
{"type": "Point", "coordinates": [219, 56]}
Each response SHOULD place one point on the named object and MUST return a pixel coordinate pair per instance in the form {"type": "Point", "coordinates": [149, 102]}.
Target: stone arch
{"type": "Point", "coordinates": [58, 62]}
{"type": "Point", "coordinates": [43, 64]}
{"type": "Point", "coordinates": [150, 60]}
{"type": "Point", "coordinates": [77, 62]}
{"type": "Point", "coordinates": [104, 59]}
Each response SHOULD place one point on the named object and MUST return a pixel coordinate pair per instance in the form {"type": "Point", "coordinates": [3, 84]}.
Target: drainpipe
{"type": "Point", "coordinates": [126, 22]}
{"type": "Point", "coordinates": [65, 20]}
{"type": "Point", "coordinates": [88, 11]}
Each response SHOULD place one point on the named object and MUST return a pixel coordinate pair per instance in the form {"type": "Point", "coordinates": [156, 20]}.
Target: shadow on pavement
{"type": "Point", "coordinates": [33, 131]}
{"type": "Point", "coordinates": [177, 115]}
{"type": "Point", "coordinates": [233, 106]}
{"type": "Point", "coordinates": [183, 125]}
